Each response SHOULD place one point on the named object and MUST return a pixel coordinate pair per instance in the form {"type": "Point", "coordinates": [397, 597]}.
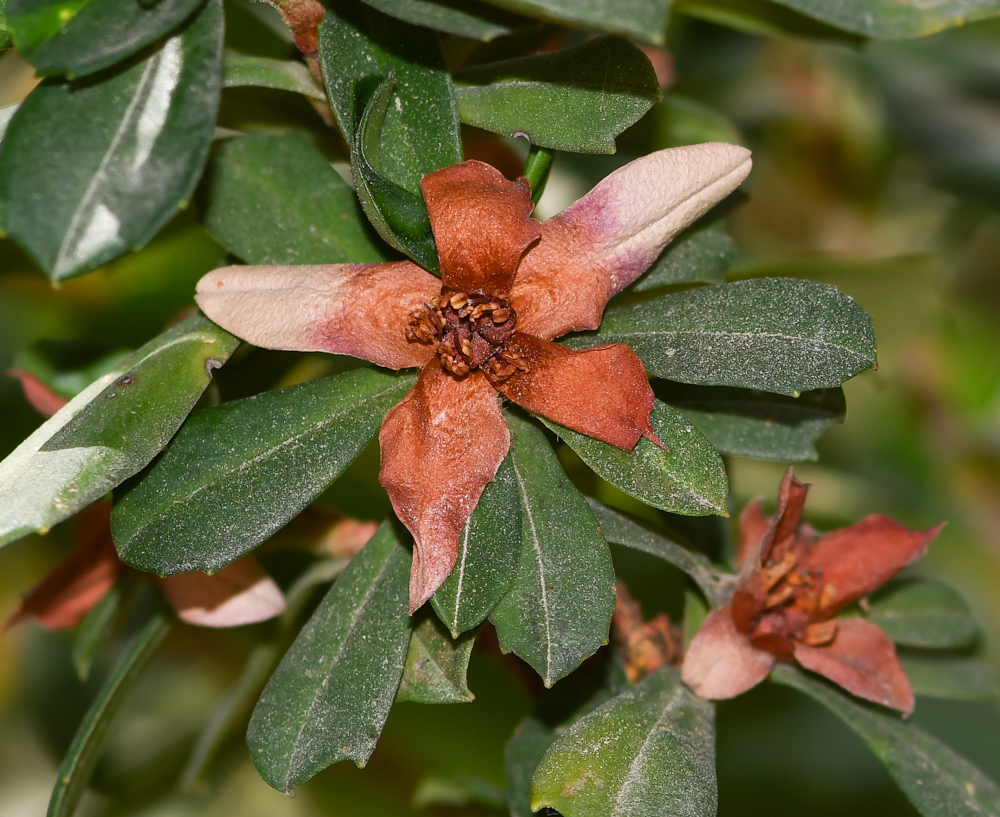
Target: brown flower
{"type": "Point", "coordinates": [508, 286]}
{"type": "Point", "coordinates": [790, 587]}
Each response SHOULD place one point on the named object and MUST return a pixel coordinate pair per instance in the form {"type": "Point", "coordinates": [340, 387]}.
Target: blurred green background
{"type": "Point", "coordinates": [877, 169]}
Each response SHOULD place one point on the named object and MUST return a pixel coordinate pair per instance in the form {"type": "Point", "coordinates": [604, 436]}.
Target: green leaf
{"type": "Point", "coordinates": [330, 696]}
{"type": "Point", "coordinates": [764, 18]}
{"type": "Point", "coordinates": [781, 335]}
{"type": "Point", "coordinates": [464, 18]}
{"type": "Point", "coordinates": [100, 34]}
{"type": "Point", "coordinates": [90, 170]}
{"type": "Point", "coordinates": [66, 367]}
{"type": "Point", "coordinates": [700, 257]}
{"type": "Point", "coordinates": [578, 99]}
{"type": "Point", "coordinates": [940, 675]}
{"type": "Point", "coordinates": [645, 20]}
{"type": "Point", "coordinates": [218, 491]}
{"type": "Point", "coordinates": [111, 430]}
{"type": "Point", "coordinates": [487, 556]}
{"type": "Point", "coordinates": [923, 614]}
{"type": "Point", "coordinates": [85, 750]}
{"type": "Point", "coordinates": [688, 477]}
{"type": "Point", "coordinates": [620, 530]}
{"type": "Point", "coordinates": [523, 753]}
{"type": "Point", "coordinates": [241, 71]}
{"type": "Point", "coordinates": [558, 610]}
{"type": "Point", "coordinates": [895, 19]}
{"type": "Point", "coordinates": [436, 666]}
{"type": "Point", "coordinates": [650, 750]}
{"type": "Point", "coordinates": [31, 22]}
{"type": "Point", "coordinates": [97, 628]}
{"type": "Point", "coordinates": [273, 199]}
{"type": "Point", "coordinates": [457, 791]}
{"type": "Point", "coordinates": [749, 423]}
{"type": "Point", "coordinates": [938, 782]}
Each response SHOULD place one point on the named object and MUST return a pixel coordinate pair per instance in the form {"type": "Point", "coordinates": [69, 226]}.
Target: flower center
{"type": "Point", "coordinates": [468, 330]}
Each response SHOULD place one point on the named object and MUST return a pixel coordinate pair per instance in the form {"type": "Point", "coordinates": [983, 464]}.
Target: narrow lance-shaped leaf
{"type": "Point", "coordinates": [703, 256]}
{"type": "Point", "coordinates": [687, 477]}
{"type": "Point", "coordinates": [650, 750]}
{"type": "Point", "coordinates": [559, 607]}
{"type": "Point", "coordinates": [218, 491]}
{"type": "Point", "coordinates": [892, 20]}
{"type": "Point", "coordinates": [92, 169]}
{"type": "Point", "coordinates": [487, 556]}
{"type": "Point", "coordinates": [578, 99]}
{"type": "Point", "coordinates": [777, 334]}
{"type": "Point", "coordinates": [110, 430]}
{"type": "Point", "coordinates": [944, 675]}
{"type": "Point", "coordinates": [465, 18]}
{"type": "Point", "coordinates": [938, 782]}
{"type": "Point", "coordinates": [923, 614]}
{"type": "Point", "coordinates": [436, 666]}
{"type": "Point", "coordinates": [330, 696]}
{"type": "Point", "coordinates": [645, 20]}
{"type": "Point", "coordinates": [241, 70]}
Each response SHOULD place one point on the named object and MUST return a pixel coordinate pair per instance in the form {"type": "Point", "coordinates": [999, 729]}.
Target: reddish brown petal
{"type": "Point", "coordinates": [240, 593]}
{"type": "Point", "coordinates": [720, 662]}
{"type": "Point", "coordinates": [441, 446]}
{"type": "Point", "coordinates": [862, 659]}
{"type": "Point", "coordinates": [854, 561]}
{"type": "Point", "coordinates": [785, 523]}
{"type": "Point", "coordinates": [80, 580]}
{"type": "Point", "coordinates": [602, 392]}
{"type": "Point", "coordinates": [481, 223]}
{"type": "Point", "coordinates": [43, 400]}
{"type": "Point", "coordinates": [753, 526]}
{"type": "Point", "coordinates": [347, 309]}
{"type": "Point", "coordinates": [606, 240]}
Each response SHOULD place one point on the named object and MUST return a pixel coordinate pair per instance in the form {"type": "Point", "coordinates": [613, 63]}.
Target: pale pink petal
{"type": "Point", "coordinates": [601, 244]}
{"type": "Point", "coordinates": [346, 309]}
{"type": "Point", "coordinates": [481, 223]}
{"type": "Point", "coordinates": [240, 593]}
{"type": "Point", "coordinates": [602, 392]}
{"type": "Point", "coordinates": [441, 446]}
{"type": "Point", "coordinates": [43, 400]}
{"type": "Point", "coordinates": [720, 662]}
{"type": "Point", "coordinates": [862, 659]}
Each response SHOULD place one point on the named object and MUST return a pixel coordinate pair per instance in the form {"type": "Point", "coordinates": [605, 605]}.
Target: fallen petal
{"type": "Point", "coordinates": [603, 242]}
{"type": "Point", "coordinates": [42, 399]}
{"type": "Point", "coordinates": [240, 593]}
{"type": "Point", "coordinates": [346, 309]}
{"type": "Point", "coordinates": [441, 446]}
{"type": "Point", "coordinates": [862, 659]}
{"type": "Point", "coordinates": [720, 662]}
{"type": "Point", "coordinates": [481, 223]}
{"type": "Point", "coordinates": [602, 392]}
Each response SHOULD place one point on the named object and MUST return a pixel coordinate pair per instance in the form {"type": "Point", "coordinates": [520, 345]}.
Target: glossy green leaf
{"type": "Point", "coordinates": [703, 256]}
{"type": "Point", "coordinates": [578, 99]}
{"type": "Point", "coordinates": [645, 20]}
{"type": "Point", "coordinates": [31, 22]}
{"type": "Point", "coordinates": [101, 33]}
{"type": "Point", "coordinates": [957, 678]}
{"type": "Point", "coordinates": [241, 70]}
{"type": "Point", "coordinates": [523, 753]}
{"type": "Point", "coordinates": [487, 556]}
{"type": "Point", "coordinates": [688, 477]}
{"type": "Point", "coordinates": [457, 791]}
{"type": "Point", "coordinates": [330, 696]}
{"type": "Point", "coordinates": [219, 491]}
{"type": "Point", "coordinates": [464, 18]}
{"type": "Point", "coordinates": [650, 750]}
{"type": "Point", "coordinates": [436, 666]}
{"type": "Point", "coordinates": [895, 19]}
{"type": "Point", "coordinates": [763, 425]}
{"type": "Point", "coordinates": [938, 782]}
{"type": "Point", "coordinates": [110, 430]}
{"type": "Point", "coordinates": [90, 170]}
{"type": "Point", "coordinates": [923, 614]}
{"type": "Point", "coordinates": [85, 750]}
{"type": "Point", "coordinates": [764, 18]}
{"type": "Point", "coordinates": [273, 199]}
{"type": "Point", "coordinates": [620, 530]}
{"type": "Point", "coordinates": [781, 335]}
{"type": "Point", "coordinates": [558, 610]}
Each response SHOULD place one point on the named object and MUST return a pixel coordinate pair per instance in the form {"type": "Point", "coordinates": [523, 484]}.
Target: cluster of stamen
{"type": "Point", "coordinates": [802, 590]}
{"type": "Point", "coordinates": [468, 330]}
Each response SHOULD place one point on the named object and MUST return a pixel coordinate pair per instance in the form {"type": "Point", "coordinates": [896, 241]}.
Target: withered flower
{"type": "Point", "coordinates": [508, 286]}
{"type": "Point", "coordinates": [790, 587]}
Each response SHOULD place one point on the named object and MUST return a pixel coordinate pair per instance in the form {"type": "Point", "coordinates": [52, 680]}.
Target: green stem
{"type": "Point", "coordinates": [537, 169]}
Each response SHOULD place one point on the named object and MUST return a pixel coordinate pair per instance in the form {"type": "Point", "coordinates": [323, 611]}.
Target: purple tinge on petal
{"type": "Point", "coordinates": [720, 662]}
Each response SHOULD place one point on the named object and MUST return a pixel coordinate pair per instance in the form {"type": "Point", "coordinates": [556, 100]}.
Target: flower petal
{"type": "Point", "coordinates": [42, 399]}
{"type": "Point", "coordinates": [603, 242]}
{"type": "Point", "coordinates": [441, 446]}
{"type": "Point", "coordinates": [481, 223]}
{"type": "Point", "coordinates": [855, 560]}
{"type": "Point", "coordinates": [602, 392]}
{"type": "Point", "coordinates": [753, 526]}
{"type": "Point", "coordinates": [346, 309]}
{"type": "Point", "coordinates": [862, 659]}
{"type": "Point", "coordinates": [240, 593]}
{"type": "Point", "coordinates": [80, 580]}
{"type": "Point", "coordinates": [720, 662]}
